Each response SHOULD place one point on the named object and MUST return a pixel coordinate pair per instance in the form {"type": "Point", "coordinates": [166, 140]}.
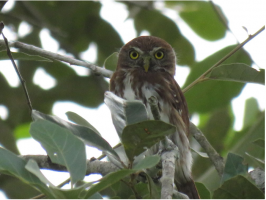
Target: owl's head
{"type": "Point", "coordinates": [147, 53]}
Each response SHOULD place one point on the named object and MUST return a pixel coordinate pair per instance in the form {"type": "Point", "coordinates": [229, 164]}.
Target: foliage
{"type": "Point", "coordinates": [210, 99]}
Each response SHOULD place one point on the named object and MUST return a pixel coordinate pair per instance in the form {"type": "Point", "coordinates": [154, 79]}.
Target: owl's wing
{"type": "Point", "coordinates": [179, 102]}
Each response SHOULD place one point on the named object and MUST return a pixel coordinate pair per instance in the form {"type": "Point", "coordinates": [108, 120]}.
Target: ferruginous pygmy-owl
{"type": "Point", "coordinates": [146, 67]}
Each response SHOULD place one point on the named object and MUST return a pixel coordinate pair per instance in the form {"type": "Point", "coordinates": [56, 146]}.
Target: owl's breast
{"type": "Point", "coordinates": [135, 89]}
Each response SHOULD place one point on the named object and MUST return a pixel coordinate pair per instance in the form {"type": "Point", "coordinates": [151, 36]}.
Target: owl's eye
{"type": "Point", "coordinates": [134, 55]}
{"type": "Point", "coordinates": [159, 55]}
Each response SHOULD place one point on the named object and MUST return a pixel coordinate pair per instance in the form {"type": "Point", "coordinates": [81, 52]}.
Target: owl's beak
{"type": "Point", "coordinates": [146, 63]}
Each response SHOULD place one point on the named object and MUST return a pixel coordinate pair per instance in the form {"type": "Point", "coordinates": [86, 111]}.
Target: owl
{"type": "Point", "coordinates": [145, 68]}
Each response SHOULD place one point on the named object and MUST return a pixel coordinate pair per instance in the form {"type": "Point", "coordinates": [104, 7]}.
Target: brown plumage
{"type": "Point", "coordinates": [146, 67]}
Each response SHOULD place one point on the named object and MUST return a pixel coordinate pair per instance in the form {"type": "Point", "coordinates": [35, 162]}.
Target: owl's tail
{"type": "Point", "coordinates": [187, 186]}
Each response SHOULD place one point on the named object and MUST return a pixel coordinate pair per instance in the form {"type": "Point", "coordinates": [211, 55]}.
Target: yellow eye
{"type": "Point", "coordinates": [134, 55]}
{"type": "Point", "coordinates": [159, 55]}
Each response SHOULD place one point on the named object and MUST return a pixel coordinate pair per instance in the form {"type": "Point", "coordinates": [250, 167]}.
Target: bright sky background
{"type": "Point", "coordinates": [250, 14]}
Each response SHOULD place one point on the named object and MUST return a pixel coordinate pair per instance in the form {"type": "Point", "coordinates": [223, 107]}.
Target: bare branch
{"type": "Point", "coordinates": [216, 159]}
{"type": "Point", "coordinates": [54, 56]}
{"type": "Point", "coordinates": [23, 82]}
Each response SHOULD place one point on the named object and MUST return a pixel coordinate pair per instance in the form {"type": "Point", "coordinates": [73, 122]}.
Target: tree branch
{"type": "Point", "coordinates": [93, 166]}
{"type": "Point", "coordinates": [203, 76]}
{"type": "Point", "coordinates": [54, 56]}
{"type": "Point", "coordinates": [216, 159]}
{"type": "Point", "coordinates": [169, 154]}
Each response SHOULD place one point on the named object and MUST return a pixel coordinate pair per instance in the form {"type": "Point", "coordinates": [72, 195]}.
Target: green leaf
{"type": "Point", "coordinates": [108, 180]}
{"type": "Point", "coordinates": [111, 62]}
{"type": "Point", "coordinates": [22, 56]}
{"type": "Point", "coordinates": [11, 164]}
{"type": "Point", "coordinates": [142, 190]}
{"type": "Point", "coordinates": [251, 112]}
{"type": "Point", "coordinates": [88, 135]}
{"type": "Point", "coordinates": [203, 19]}
{"type": "Point", "coordinates": [96, 196]}
{"type": "Point", "coordinates": [204, 193]}
{"type": "Point", "coordinates": [62, 147]}
{"type": "Point", "coordinates": [202, 154]}
{"type": "Point", "coordinates": [22, 131]}
{"type": "Point", "coordinates": [257, 159]}
{"type": "Point", "coordinates": [153, 191]}
{"type": "Point", "coordinates": [137, 137]}
{"type": "Point", "coordinates": [260, 142]}
{"type": "Point", "coordinates": [210, 95]}
{"type": "Point", "coordinates": [80, 120]}
{"type": "Point", "coordinates": [147, 162]}
{"type": "Point", "coordinates": [135, 112]}
{"type": "Point", "coordinates": [233, 166]}
{"type": "Point", "coordinates": [238, 188]}
{"type": "Point", "coordinates": [238, 72]}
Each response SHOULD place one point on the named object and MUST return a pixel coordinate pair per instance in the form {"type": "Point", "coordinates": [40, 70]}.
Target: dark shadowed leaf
{"type": "Point", "coordinates": [12, 165]}
{"type": "Point", "coordinates": [204, 193]}
{"type": "Point", "coordinates": [108, 180]}
{"type": "Point", "coordinates": [238, 72]}
{"type": "Point", "coordinates": [111, 62]}
{"type": "Point", "coordinates": [147, 162]}
{"type": "Point", "coordinates": [153, 191]}
{"type": "Point", "coordinates": [22, 56]}
{"type": "Point", "coordinates": [142, 190]}
{"type": "Point", "coordinates": [136, 138]}
{"type": "Point", "coordinates": [88, 135]}
{"type": "Point", "coordinates": [238, 188]}
{"type": "Point", "coordinates": [233, 166]}
{"type": "Point", "coordinates": [202, 18]}
{"type": "Point", "coordinates": [80, 121]}
{"type": "Point", "coordinates": [260, 142]}
{"type": "Point", "coordinates": [62, 146]}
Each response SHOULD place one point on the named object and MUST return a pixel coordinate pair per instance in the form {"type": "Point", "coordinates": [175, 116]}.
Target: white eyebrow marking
{"type": "Point", "coordinates": [138, 50]}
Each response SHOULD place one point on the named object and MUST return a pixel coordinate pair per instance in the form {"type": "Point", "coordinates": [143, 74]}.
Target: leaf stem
{"type": "Point", "coordinates": [200, 78]}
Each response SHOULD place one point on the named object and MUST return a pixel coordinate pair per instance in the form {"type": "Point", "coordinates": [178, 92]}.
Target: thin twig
{"type": "Point", "coordinates": [54, 56]}
{"type": "Point", "coordinates": [202, 77]}
{"type": "Point", "coordinates": [216, 159]}
{"type": "Point", "coordinates": [23, 82]}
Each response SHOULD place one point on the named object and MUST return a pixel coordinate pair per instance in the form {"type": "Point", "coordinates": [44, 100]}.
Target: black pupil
{"type": "Point", "coordinates": [159, 54]}
{"type": "Point", "coordinates": [134, 54]}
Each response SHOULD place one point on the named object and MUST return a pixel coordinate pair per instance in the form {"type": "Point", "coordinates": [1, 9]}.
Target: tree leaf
{"type": "Point", "coordinates": [233, 166]}
{"type": "Point", "coordinates": [62, 147]}
{"type": "Point", "coordinates": [137, 137]}
{"type": "Point", "coordinates": [202, 154]}
{"type": "Point", "coordinates": [199, 14]}
{"type": "Point", "coordinates": [80, 121]}
{"type": "Point", "coordinates": [11, 164]}
{"type": "Point", "coordinates": [135, 112]}
{"type": "Point", "coordinates": [257, 159]}
{"type": "Point", "coordinates": [88, 135]}
{"type": "Point", "coordinates": [22, 56]}
{"type": "Point", "coordinates": [147, 162]}
{"type": "Point", "coordinates": [260, 142]}
{"type": "Point", "coordinates": [111, 62]}
{"type": "Point", "coordinates": [210, 95]}
{"type": "Point", "coordinates": [251, 112]}
{"type": "Point", "coordinates": [204, 193]}
{"type": "Point", "coordinates": [154, 193]}
{"type": "Point", "coordinates": [125, 112]}
{"type": "Point", "coordinates": [238, 188]}
{"type": "Point", "coordinates": [238, 72]}
{"type": "Point", "coordinates": [108, 180]}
